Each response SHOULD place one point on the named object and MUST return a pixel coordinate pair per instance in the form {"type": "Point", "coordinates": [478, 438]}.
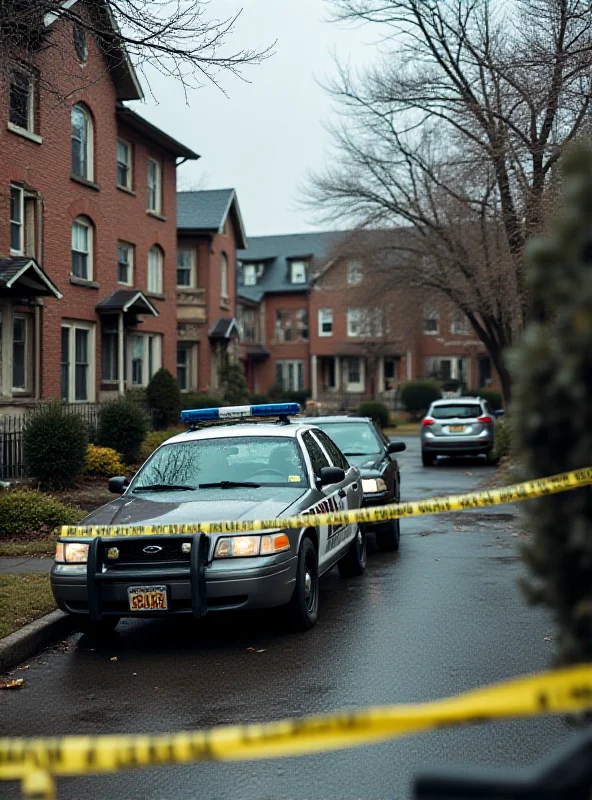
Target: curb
{"type": "Point", "coordinates": [36, 636]}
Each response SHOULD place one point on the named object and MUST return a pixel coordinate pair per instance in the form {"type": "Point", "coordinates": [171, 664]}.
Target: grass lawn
{"type": "Point", "coordinates": [23, 598]}
{"type": "Point", "coordinates": [28, 546]}
{"type": "Point", "coordinates": [405, 429]}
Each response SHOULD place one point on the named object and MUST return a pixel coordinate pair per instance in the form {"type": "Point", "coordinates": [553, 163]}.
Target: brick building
{"type": "Point", "coordinates": [88, 247]}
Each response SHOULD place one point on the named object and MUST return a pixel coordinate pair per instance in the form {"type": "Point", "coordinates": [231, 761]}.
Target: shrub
{"type": "Point", "coordinates": [31, 511]}
{"type": "Point", "coordinates": [279, 395]}
{"type": "Point", "coordinates": [54, 444]}
{"type": "Point", "coordinates": [102, 461]}
{"type": "Point", "coordinates": [493, 398]}
{"type": "Point", "coordinates": [377, 412]}
{"type": "Point", "coordinates": [503, 439]}
{"type": "Point", "coordinates": [123, 425]}
{"type": "Point", "coordinates": [233, 383]}
{"type": "Point", "coordinates": [155, 439]}
{"type": "Point", "coordinates": [418, 395]}
{"type": "Point", "coordinates": [195, 400]}
{"type": "Point", "coordinates": [164, 397]}
{"type": "Point", "coordinates": [259, 399]}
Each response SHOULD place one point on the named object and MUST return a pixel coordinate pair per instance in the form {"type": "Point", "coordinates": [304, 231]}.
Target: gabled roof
{"type": "Point", "coordinates": [207, 211]}
{"type": "Point", "coordinates": [224, 328]}
{"type": "Point", "coordinates": [23, 277]}
{"type": "Point", "coordinates": [276, 253]}
{"type": "Point", "coordinates": [127, 300]}
{"type": "Point", "coordinates": [147, 130]}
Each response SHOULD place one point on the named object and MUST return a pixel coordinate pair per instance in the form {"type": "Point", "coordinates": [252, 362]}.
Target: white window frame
{"type": "Point", "coordinates": [90, 327]}
{"type": "Point", "coordinates": [156, 189]}
{"type": "Point", "coordinates": [250, 270]}
{"type": "Point", "coordinates": [21, 222]}
{"type": "Point", "coordinates": [27, 323]}
{"type": "Point", "coordinates": [429, 316]}
{"type": "Point", "coordinates": [130, 263]}
{"type": "Point", "coordinates": [30, 129]}
{"type": "Point", "coordinates": [295, 266]}
{"type": "Point", "coordinates": [354, 323]}
{"type": "Point", "coordinates": [90, 167]}
{"type": "Point", "coordinates": [462, 329]}
{"type": "Point", "coordinates": [354, 273]}
{"type": "Point", "coordinates": [84, 222]}
{"type": "Point", "coordinates": [297, 366]}
{"type": "Point", "coordinates": [154, 284]}
{"type": "Point", "coordinates": [191, 268]}
{"type": "Point", "coordinates": [325, 318]}
{"type": "Point", "coordinates": [146, 339]}
{"type": "Point", "coordinates": [355, 386]}
{"type": "Point", "coordinates": [224, 296]}
{"type": "Point", "coordinates": [190, 348]}
{"type": "Point", "coordinates": [128, 164]}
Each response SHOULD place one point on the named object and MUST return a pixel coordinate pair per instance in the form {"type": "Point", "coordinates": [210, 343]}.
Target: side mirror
{"type": "Point", "coordinates": [118, 485]}
{"type": "Point", "coordinates": [396, 447]}
{"type": "Point", "coordinates": [499, 413]}
{"type": "Point", "coordinates": [329, 475]}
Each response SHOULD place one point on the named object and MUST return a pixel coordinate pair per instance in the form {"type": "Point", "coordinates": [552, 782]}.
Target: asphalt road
{"type": "Point", "coordinates": [440, 617]}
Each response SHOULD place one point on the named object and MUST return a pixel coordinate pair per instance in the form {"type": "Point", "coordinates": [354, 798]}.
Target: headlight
{"type": "Point", "coordinates": [244, 546]}
{"type": "Point", "coordinates": [373, 485]}
{"type": "Point", "coordinates": [72, 552]}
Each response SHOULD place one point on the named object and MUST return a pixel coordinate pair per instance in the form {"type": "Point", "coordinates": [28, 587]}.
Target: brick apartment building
{"type": "Point", "coordinates": [88, 257]}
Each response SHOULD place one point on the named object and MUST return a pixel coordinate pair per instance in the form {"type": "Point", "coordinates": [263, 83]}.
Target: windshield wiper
{"type": "Point", "coordinates": [164, 487]}
{"type": "Point", "coordinates": [229, 485]}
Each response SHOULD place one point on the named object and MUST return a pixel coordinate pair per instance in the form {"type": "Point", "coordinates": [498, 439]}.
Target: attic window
{"type": "Point", "coordinates": [80, 43]}
{"type": "Point", "coordinates": [298, 272]}
{"type": "Point", "coordinates": [250, 275]}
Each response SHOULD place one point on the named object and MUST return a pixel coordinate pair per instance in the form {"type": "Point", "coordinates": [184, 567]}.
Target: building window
{"type": "Point", "coordinates": [22, 101]}
{"type": "Point", "coordinates": [290, 375]}
{"type": "Point", "coordinates": [247, 320]}
{"type": "Point", "coordinates": [154, 186]}
{"type": "Point", "coordinates": [459, 323]}
{"type": "Point", "coordinates": [224, 279]}
{"type": "Point", "coordinates": [185, 367]}
{"type": "Point", "coordinates": [355, 375]}
{"type": "Point", "coordinates": [353, 322]}
{"type": "Point", "coordinates": [389, 374]}
{"type": "Point", "coordinates": [77, 362]}
{"type": "Point", "coordinates": [291, 326]}
{"type": "Point", "coordinates": [302, 324]}
{"type": "Point", "coordinates": [109, 351]}
{"type": "Point", "coordinates": [19, 354]}
{"type": "Point", "coordinates": [82, 143]}
{"type": "Point", "coordinates": [431, 323]}
{"type": "Point", "coordinates": [124, 164]}
{"type": "Point", "coordinates": [82, 249]}
{"type": "Point", "coordinates": [144, 357]}
{"type": "Point", "coordinates": [80, 42]}
{"type": "Point", "coordinates": [155, 263]}
{"type": "Point", "coordinates": [125, 263]}
{"type": "Point", "coordinates": [354, 273]}
{"type": "Point", "coordinates": [250, 275]}
{"type": "Point", "coordinates": [447, 369]}
{"type": "Point", "coordinates": [17, 218]}
{"type": "Point", "coordinates": [298, 272]}
{"type": "Point", "coordinates": [186, 268]}
{"type": "Point", "coordinates": [325, 322]}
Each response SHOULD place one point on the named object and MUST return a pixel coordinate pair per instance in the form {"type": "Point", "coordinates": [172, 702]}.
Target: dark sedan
{"type": "Point", "coordinates": [366, 447]}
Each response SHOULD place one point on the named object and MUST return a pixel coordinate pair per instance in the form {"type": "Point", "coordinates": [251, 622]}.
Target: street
{"type": "Point", "coordinates": [440, 617]}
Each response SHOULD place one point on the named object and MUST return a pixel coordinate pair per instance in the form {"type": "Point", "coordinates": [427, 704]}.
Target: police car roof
{"type": "Point", "coordinates": [335, 418]}
{"type": "Point", "coordinates": [236, 430]}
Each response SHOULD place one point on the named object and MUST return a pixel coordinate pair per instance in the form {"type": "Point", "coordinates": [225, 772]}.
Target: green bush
{"type": "Point", "coordinates": [377, 412]}
{"type": "Point", "coordinates": [419, 395]}
{"type": "Point", "coordinates": [493, 398]}
{"type": "Point", "coordinates": [196, 400]}
{"type": "Point", "coordinates": [233, 383]}
{"type": "Point", "coordinates": [259, 399]}
{"type": "Point", "coordinates": [30, 511]}
{"type": "Point", "coordinates": [123, 426]}
{"type": "Point", "coordinates": [279, 395]}
{"type": "Point", "coordinates": [503, 439]}
{"type": "Point", "coordinates": [154, 439]}
{"type": "Point", "coordinates": [164, 398]}
{"type": "Point", "coordinates": [54, 444]}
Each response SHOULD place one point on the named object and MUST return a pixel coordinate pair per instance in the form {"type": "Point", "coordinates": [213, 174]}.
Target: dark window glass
{"type": "Point", "coordinates": [19, 353]}
{"type": "Point", "coordinates": [65, 364]}
{"type": "Point", "coordinates": [81, 364]}
{"type": "Point", "coordinates": [317, 457]}
{"type": "Point", "coordinates": [337, 457]}
{"type": "Point", "coordinates": [457, 411]}
{"type": "Point", "coordinates": [20, 100]}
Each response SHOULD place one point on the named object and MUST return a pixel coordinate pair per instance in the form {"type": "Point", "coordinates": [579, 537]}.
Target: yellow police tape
{"type": "Point", "coordinates": [565, 691]}
{"type": "Point", "coordinates": [435, 505]}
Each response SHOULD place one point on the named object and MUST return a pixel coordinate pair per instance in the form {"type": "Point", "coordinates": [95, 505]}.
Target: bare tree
{"type": "Point", "coordinates": [178, 38]}
{"type": "Point", "coordinates": [455, 135]}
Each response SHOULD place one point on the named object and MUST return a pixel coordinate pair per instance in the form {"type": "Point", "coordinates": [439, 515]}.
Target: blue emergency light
{"type": "Point", "coordinates": [238, 412]}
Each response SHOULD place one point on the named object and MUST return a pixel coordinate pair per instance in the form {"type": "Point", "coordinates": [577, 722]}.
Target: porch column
{"type": "Point", "coordinates": [380, 368]}
{"type": "Point", "coordinates": [409, 366]}
{"type": "Point", "coordinates": [7, 334]}
{"type": "Point", "coordinates": [313, 377]}
{"type": "Point", "coordinates": [37, 353]}
{"type": "Point", "coordinates": [337, 373]}
{"type": "Point", "coordinates": [121, 353]}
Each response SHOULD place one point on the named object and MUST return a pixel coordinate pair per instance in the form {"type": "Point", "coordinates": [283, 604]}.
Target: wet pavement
{"type": "Point", "coordinates": [440, 617]}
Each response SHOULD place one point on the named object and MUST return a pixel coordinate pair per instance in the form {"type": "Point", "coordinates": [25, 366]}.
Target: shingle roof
{"type": "Point", "coordinates": [23, 276]}
{"type": "Point", "coordinates": [223, 328]}
{"type": "Point", "coordinates": [127, 300]}
{"type": "Point", "coordinates": [278, 251]}
{"type": "Point", "coordinates": [207, 211]}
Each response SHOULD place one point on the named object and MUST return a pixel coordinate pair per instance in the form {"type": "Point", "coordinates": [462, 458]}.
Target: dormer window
{"type": "Point", "coordinates": [298, 272]}
{"type": "Point", "coordinates": [250, 275]}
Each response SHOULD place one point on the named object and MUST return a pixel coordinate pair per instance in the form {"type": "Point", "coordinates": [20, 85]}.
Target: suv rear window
{"type": "Point", "coordinates": [457, 411]}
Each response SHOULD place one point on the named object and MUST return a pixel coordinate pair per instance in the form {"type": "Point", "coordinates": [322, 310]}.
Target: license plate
{"type": "Point", "coordinates": [457, 428]}
{"type": "Point", "coordinates": [147, 598]}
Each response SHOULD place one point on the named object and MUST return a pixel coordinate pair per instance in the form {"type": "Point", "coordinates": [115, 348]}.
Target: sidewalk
{"type": "Point", "coordinates": [25, 564]}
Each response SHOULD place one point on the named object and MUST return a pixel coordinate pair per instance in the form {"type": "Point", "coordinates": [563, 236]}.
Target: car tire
{"type": "Point", "coordinates": [303, 607]}
{"type": "Point", "coordinates": [388, 539]}
{"type": "Point", "coordinates": [492, 459]}
{"type": "Point", "coordinates": [99, 628]}
{"type": "Point", "coordinates": [353, 563]}
{"type": "Point", "coordinates": [427, 459]}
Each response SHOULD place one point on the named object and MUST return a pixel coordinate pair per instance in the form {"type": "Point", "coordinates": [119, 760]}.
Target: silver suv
{"type": "Point", "coordinates": [459, 426]}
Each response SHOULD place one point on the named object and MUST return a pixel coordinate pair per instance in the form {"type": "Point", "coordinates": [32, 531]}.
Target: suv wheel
{"type": "Point", "coordinates": [427, 459]}
{"type": "Point", "coordinates": [353, 562]}
{"type": "Point", "coordinates": [303, 608]}
{"type": "Point", "coordinates": [387, 539]}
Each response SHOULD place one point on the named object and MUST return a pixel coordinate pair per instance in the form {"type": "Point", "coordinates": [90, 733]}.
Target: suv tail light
{"type": "Point", "coordinates": [428, 421]}
{"type": "Point", "coordinates": [486, 420]}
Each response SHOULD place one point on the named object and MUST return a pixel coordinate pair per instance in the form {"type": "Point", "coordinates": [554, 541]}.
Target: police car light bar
{"type": "Point", "coordinates": [238, 412]}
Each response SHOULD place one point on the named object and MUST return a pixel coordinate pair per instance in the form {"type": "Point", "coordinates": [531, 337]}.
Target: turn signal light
{"type": "Point", "coordinates": [276, 543]}
{"type": "Point", "coordinates": [428, 421]}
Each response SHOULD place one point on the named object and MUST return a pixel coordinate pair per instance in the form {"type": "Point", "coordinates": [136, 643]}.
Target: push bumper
{"type": "Point", "coordinates": [373, 500]}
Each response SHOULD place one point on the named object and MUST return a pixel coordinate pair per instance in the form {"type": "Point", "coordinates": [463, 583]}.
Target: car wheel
{"type": "Point", "coordinates": [353, 562]}
{"type": "Point", "coordinates": [99, 628]}
{"type": "Point", "coordinates": [427, 459]}
{"type": "Point", "coordinates": [492, 459]}
{"type": "Point", "coordinates": [387, 539]}
{"type": "Point", "coordinates": [303, 608]}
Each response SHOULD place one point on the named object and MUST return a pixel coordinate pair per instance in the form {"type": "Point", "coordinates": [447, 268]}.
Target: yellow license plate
{"type": "Point", "coordinates": [457, 428]}
{"type": "Point", "coordinates": [147, 598]}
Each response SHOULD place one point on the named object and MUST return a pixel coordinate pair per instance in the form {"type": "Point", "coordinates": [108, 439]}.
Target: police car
{"type": "Point", "coordinates": [224, 468]}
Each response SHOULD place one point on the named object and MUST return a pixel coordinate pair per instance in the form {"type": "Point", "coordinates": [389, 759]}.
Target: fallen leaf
{"type": "Point", "coordinates": [114, 658]}
{"type": "Point", "coordinates": [250, 649]}
{"type": "Point", "coordinates": [548, 638]}
{"type": "Point", "coordinates": [468, 473]}
{"type": "Point", "coordinates": [260, 651]}
{"type": "Point", "coordinates": [25, 667]}
{"type": "Point", "coordinates": [134, 673]}
{"type": "Point", "coordinates": [13, 684]}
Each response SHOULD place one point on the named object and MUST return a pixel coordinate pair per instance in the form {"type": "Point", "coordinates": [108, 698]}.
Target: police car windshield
{"type": "Point", "coordinates": [228, 462]}
{"type": "Point", "coordinates": [353, 438]}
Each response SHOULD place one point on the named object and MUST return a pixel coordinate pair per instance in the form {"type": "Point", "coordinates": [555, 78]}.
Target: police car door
{"type": "Point", "coordinates": [353, 486]}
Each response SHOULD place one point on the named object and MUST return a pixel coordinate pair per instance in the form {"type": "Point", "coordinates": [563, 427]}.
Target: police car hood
{"type": "Point", "coordinates": [203, 505]}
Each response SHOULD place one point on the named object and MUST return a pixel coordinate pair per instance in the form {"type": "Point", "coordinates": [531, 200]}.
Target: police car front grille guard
{"type": "Point", "coordinates": [96, 578]}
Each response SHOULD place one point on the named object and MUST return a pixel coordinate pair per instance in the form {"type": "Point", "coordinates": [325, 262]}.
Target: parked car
{"type": "Point", "coordinates": [364, 445]}
{"type": "Point", "coordinates": [463, 426]}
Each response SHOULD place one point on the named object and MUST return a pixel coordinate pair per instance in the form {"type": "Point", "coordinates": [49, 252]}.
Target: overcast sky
{"type": "Point", "coordinates": [265, 136]}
